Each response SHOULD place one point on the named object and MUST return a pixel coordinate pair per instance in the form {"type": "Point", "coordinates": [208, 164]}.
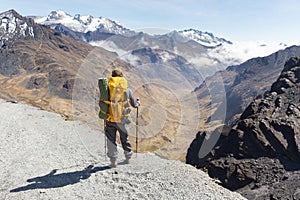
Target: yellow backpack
{"type": "Point", "coordinates": [117, 98]}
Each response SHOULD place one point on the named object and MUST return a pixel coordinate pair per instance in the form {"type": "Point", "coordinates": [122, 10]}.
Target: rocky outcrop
{"type": "Point", "coordinates": [262, 151]}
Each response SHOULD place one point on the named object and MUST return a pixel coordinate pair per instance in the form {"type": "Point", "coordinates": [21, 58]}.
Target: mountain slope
{"type": "Point", "coordinates": [40, 66]}
{"type": "Point", "coordinates": [45, 157]}
{"type": "Point", "coordinates": [243, 83]}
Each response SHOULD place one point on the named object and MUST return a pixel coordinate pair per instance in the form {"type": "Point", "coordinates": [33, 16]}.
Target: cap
{"type": "Point", "coordinates": [117, 73]}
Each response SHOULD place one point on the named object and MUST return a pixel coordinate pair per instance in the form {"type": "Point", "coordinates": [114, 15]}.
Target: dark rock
{"type": "Point", "coordinates": [192, 155]}
{"type": "Point", "coordinates": [64, 47]}
{"type": "Point", "coordinates": [262, 150]}
{"type": "Point", "coordinates": [11, 101]}
{"type": "Point", "coordinates": [35, 82]}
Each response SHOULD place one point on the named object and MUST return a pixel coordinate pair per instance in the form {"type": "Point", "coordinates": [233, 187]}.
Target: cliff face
{"type": "Point", "coordinates": [270, 126]}
{"type": "Point", "coordinates": [263, 148]}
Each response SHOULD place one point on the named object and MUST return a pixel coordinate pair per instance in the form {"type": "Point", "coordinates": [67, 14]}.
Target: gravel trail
{"type": "Point", "coordinates": [42, 156]}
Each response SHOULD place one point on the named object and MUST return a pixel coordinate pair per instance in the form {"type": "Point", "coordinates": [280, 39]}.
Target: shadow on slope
{"type": "Point", "coordinates": [53, 180]}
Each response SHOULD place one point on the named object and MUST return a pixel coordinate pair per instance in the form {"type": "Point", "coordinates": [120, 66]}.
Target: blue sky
{"type": "Point", "coordinates": [267, 20]}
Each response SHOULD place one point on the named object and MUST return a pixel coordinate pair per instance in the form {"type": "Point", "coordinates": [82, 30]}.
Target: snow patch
{"type": "Point", "coordinates": [23, 29]}
{"type": "Point", "coordinates": [11, 26]}
{"type": "Point", "coordinates": [31, 33]}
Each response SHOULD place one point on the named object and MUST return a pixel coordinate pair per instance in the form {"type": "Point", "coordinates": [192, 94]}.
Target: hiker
{"type": "Point", "coordinates": [120, 99]}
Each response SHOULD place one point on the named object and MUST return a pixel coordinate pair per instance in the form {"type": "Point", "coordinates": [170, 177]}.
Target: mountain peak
{"type": "Point", "coordinates": [13, 25]}
{"type": "Point", "coordinates": [57, 15]}
{"type": "Point", "coordinates": [83, 24]}
{"type": "Point", "coordinates": [204, 38]}
{"type": "Point", "coordinates": [10, 13]}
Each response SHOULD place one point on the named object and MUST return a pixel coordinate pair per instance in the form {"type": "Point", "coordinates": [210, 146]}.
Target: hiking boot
{"type": "Point", "coordinates": [127, 161]}
{"type": "Point", "coordinates": [113, 163]}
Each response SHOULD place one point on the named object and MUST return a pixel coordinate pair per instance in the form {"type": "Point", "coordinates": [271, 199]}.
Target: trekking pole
{"type": "Point", "coordinates": [105, 141]}
{"type": "Point", "coordinates": [136, 131]}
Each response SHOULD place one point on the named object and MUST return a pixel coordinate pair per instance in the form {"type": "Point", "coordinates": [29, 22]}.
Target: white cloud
{"type": "Point", "coordinates": [111, 46]}
{"type": "Point", "coordinates": [239, 52]}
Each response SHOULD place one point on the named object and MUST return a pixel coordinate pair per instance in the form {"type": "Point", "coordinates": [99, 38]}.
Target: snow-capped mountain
{"type": "Point", "coordinates": [13, 25]}
{"type": "Point", "coordinates": [83, 24]}
{"type": "Point", "coordinates": [204, 38]}
{"type": "Point", "coordinates": [228, 52]}
{"type": "Point", "coordinates": [203, 49]}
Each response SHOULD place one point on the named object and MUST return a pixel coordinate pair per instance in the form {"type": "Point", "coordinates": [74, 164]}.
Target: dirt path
{"type": "Point", "coordinates": [42, 156]}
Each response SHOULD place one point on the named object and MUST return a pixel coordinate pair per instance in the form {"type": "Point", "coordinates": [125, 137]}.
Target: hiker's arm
{"type": "Point", "coordinates": [104, 101]}
{"type": "Point", "coordinates": [133, 101]}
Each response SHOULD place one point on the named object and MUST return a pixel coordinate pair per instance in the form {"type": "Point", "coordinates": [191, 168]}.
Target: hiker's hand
{"type": "Point", "coordinates": [138, 101]}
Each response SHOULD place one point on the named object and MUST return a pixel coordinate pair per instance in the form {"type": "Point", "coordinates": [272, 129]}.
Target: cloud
{"type": "Point", "coordinates": [111, 46]}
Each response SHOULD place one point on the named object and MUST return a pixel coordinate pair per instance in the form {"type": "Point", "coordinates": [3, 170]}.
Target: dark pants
{"type": "Point", "coordinates": [111, 129]}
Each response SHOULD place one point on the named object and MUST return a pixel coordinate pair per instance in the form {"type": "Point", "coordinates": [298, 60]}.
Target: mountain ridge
{"type": "Point", "coordinates": [217, 48]}
{"type": "Point", "coordinates": [83, 24]}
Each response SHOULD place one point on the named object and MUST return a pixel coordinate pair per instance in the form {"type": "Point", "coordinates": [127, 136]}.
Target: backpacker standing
{"type": "Point", "coordinates": [120, 99]}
